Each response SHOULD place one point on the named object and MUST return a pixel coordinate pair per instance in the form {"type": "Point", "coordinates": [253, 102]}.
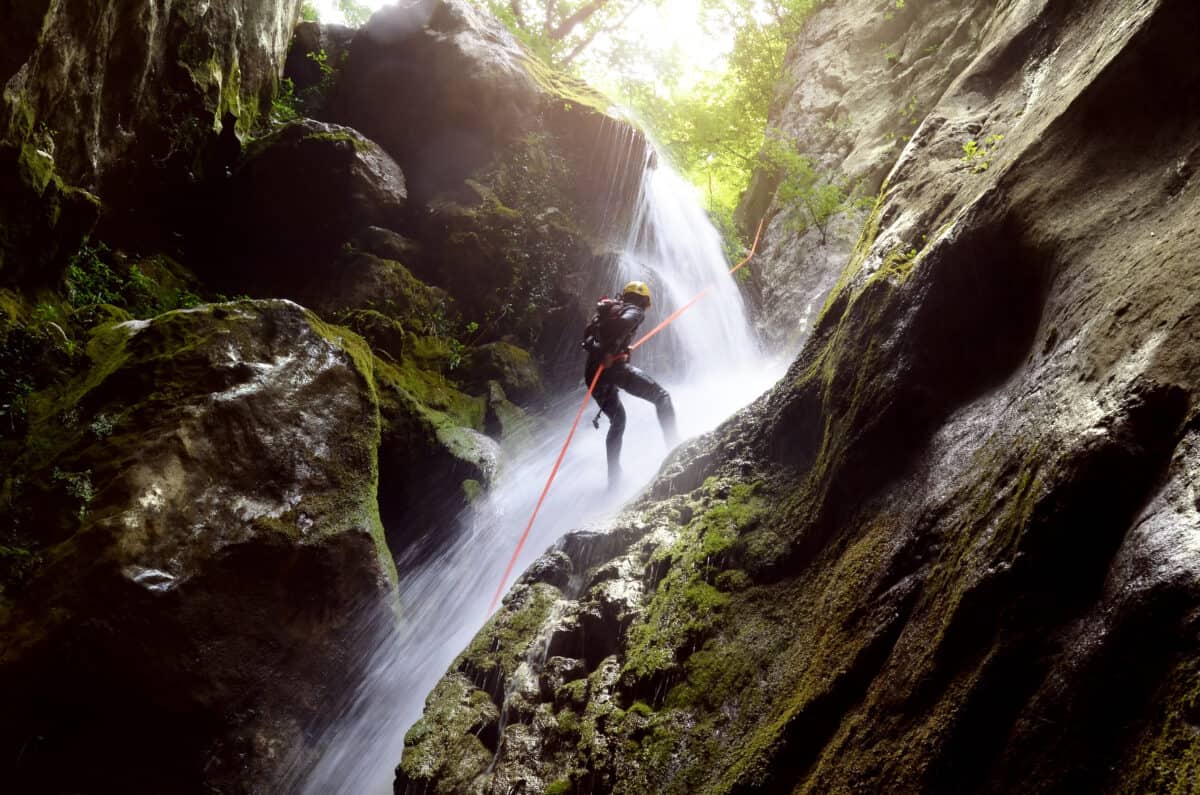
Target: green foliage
{"type": "Point", "coordinates": [356, 13]}
{"type": "Point", "coordinates": [813, 199]}
{"type": "Point", "coordinates": [285, 106]}
{"type": "Point", "coordinates": [714, 128]}
{"type": "Point", "coordinates": [92, 280]}
{"type": "Point", "coordinates": [308, 12]}
{"type": "Point", "coordinates": [710, 119]}
{"type": "Point", "coordinates": [79, 487]}
{"type": "Point", "coordinates": [290, 104]}
{"type": "Point", "coordinates": [446, 328]}
{"type": "Point", "coordinates": [978, 155]}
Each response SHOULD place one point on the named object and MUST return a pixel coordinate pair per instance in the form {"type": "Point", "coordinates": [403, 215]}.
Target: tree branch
{"type": "Point", "coordinates": [581, 46]}
{"type": "Point", "coordinates": [570, 23]}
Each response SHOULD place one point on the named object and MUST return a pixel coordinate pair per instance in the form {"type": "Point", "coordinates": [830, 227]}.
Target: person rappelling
{"type": "Point", "coordinates": [607, 340]}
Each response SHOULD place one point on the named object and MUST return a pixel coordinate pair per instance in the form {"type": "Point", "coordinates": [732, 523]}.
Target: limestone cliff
{"type": "Point", "coordinates": [858, 82]}
{"type": "Point", "coordinates": [203, 500]}
{"type": "Point", "coordinates": [955, 549]}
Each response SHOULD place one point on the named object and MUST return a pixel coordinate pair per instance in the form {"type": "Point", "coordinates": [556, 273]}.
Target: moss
{"type": "Point", "coordinates": [501, 645]}
{"type": "Point", "coordinates": [568, 722]}
{"type": "Point", "coordinates": [340, 136]}
{"type": "Point", "coordinates": [573, 693]}
{"type": "Point", "coordinates": [641, 708]}
{"type": "Point", "coordinates": [37, 168]}
{"type": "Point", "coordinates": [430, 395]}
{"type": "Point", "coordinates": [1167, 759]}
{"type": "Point", "coordinates": [565, 89]}
{"type": "Point", "coordinates": [686, 606]}
{"type": "Point", "coordinates": [562, 786]}
{"type": "Point", "coordinates": [472, 490]}
{"type": "Point", "coordinates": [862, 249]}
{"type": "Point", "coordinates": [444, 746]}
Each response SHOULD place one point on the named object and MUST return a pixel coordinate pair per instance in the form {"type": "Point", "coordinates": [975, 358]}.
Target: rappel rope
{"type": "Point", "coordinates": [579, 414]}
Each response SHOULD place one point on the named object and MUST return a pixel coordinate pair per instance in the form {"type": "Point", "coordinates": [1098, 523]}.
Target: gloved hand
{"type": "Point", "coordinates": [610, 359]}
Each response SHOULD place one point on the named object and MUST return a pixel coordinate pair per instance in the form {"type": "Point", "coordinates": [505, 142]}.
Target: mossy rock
{"type": "Point", "coordinates": [385, 335]}
{"type": "Point", "coordinates": [42, 218]}
{"type": "Point", "coordinates": [513, 368]}
{"type": "Point", "coordinates": [297, 198]}
{"type": "Point", "coordinates": [207, 491]}
{"type": "Point", "coordinates": [508, 423]}
{"type": "Point", "coordinates": [361, 281]}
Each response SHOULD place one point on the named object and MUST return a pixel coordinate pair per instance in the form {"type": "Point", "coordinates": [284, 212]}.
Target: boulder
{"type": "Point", "coordinates": [362, 281]}
{"type": "Point", "coordinates": [434, 459]}
{"type": "Point", "coordinates": [461, 91]}
{"type": "Point", "coordinates": [456, 84]}
{"type": "Point", "coordinates": [299, 195]}
{"type": "Point", "coordinates": [200, 511]}
{"type": "Point", "coordinates": [513, 368]}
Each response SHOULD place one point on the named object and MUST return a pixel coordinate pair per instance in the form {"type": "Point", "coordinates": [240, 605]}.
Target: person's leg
{"type": "Point", "coordinates": [610, 403]}
{"type": "Point", "coordinates": [638, 384]}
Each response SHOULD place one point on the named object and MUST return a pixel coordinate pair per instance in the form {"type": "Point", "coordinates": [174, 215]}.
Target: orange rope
{"type": "Point", "coordinates": [579, 414]}
{"type": "Point", "coordinates": [546, 490]}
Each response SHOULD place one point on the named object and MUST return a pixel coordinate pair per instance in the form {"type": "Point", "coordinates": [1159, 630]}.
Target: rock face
{"type": "Point", "coordinates": [861, 86]}
{"type": "Point", "coordinates": [193, 504]}
{"type": "Point", "coordinates": [297, 197]}
{"type": "Point", "coordinates": [955, 550]}
{"type": "Point", "coordinates": [201, 510]}
{"type": "Point", "coordinates": [447, 89]}
{"type": "Point", "coordinates": [126, 100]}
{"type": "Point", "coordinates": [524, 183]}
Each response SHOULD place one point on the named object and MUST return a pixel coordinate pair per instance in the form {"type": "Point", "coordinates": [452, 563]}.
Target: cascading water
{"type": "Point", "coordinates": [710, 363]}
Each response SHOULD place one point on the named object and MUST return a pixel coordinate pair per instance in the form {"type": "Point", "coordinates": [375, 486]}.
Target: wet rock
{"type": "Point", "coordinates": [44, 219]}
{"type": "Point", "coordinates": [128, 101]}
{"type": "Point", "coordinates": [462, 89]}
{"type": "Point", "coordinates": [508, 423]}
{"type": "Point", "coordinates": [299, 196]}
{"type": "Point", "coordinates": [553, 568]}
{"type": "Point", "coordinates": [862, 87]}
{"type": "Point", "coordinates": [954, 550]}
{"type": "Point", "coordinates": [433, 463]}
{"type": "Point", "coordinates": [525, 179]}
{"type": "Point", "coordinates": [559, 671]}
{"type": "Point", "coordinates": [513, 368]}
{"type": "Point", "coordinates": [386, 244]}
{"type": "Point", "coordinates": [207, 541]}
{"type": "Point", "coordinates": [358, 281]}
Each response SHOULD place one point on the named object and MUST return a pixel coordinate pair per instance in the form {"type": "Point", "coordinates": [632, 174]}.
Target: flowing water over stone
{"type": "Point", "coordinates": [712, 365]}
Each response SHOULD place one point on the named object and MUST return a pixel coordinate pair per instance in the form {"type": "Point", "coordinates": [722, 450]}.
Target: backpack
{"type": "Point", "coordinates": [606, 309]}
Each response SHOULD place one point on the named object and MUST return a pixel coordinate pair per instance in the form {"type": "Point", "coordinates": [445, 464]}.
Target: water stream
{"type": "Point", "coordinates": [712, 366]}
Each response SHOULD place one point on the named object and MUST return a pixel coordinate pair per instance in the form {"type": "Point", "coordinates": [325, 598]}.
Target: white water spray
{"type": "Point", "coordinates": [709, 362]}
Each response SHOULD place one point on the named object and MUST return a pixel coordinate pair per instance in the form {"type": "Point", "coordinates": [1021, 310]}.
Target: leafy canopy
{"type": "Point", "coordinates": [712, 118]}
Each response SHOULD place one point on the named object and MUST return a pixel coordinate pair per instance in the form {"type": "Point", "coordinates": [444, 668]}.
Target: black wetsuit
{"type": "Point", "coordinates": [613, 335]}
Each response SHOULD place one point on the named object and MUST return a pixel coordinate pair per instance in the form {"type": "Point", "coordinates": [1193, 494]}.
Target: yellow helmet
{"type": "Point", "coordinates": [638, 288]}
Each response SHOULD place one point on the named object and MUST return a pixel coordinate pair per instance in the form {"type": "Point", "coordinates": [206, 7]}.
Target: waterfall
{"type": "Point", "coordinates": [710, 363]}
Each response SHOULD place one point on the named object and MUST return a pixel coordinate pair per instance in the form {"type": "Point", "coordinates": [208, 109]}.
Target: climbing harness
{"type": "Point", "coordinates": [596, 422]}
